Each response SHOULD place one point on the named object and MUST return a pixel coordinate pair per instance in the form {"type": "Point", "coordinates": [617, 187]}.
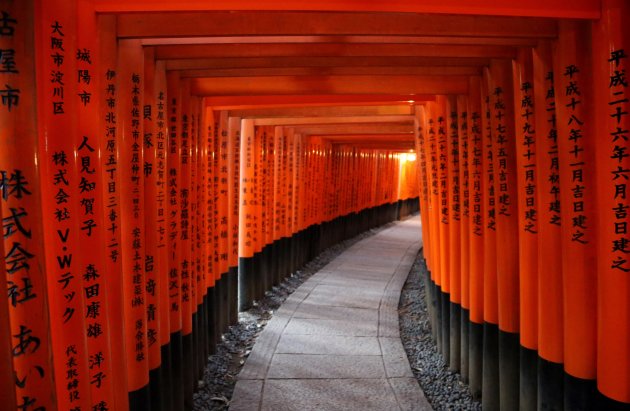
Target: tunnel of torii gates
{"type": "Point", "coordinates": [164, 163]}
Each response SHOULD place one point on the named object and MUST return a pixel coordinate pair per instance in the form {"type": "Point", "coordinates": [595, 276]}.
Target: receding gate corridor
{"type": "Point", "coordinates": [165, 164]}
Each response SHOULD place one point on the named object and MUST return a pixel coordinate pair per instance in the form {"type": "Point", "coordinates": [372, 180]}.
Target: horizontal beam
{"type": "Point", "coordinates": [197, 51]}
{"type": "Point", "coordinates": [305, 61]}
{"type": "Point", "coordinates": [535, 8]}
{"type": "Point", "coordinates": [335, 129]}
{"type": "Point", "coordinates": [310, 100]}
{"type": "Point", "coordinates": [399, 109]}
{"type": "Point", "coordinates": [249, 23]}
{"type": "Point", "coordinates": [373, 137]}
{"type": "Point", "coordinates": [290, 121]}
{"type": "Point", "coordinates": [392, 145]}
{"type": "Point", "coordinates": [234, 86]}
{"type": "Point", "coordinates": [331, 71]}
{"type": "Point", "coordinates": [372, 39]}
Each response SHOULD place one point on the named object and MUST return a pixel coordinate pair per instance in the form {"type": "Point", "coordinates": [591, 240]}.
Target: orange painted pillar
{"type": "Point", "coordinates": [502, 110]}
{"type": "Point", "coordinates": [278, 254]}
{"type": "Point", "coordinates": [490, 372]}
{"type": "Point", "coordinates": [201, 235]}
{"type": "Point", "coordinates": [7, 376]}
{"type": "Point", "coordinates": [246, 244]}
{"type": "Point", "coordinates": [526, 170]}
{"type": "Point", "coordinates": [444, 220]}
{"type": "Point", "coordinates": [576, 143]}
{"type": "Point", "coordinates": [549, 260]}
{"type": "Point", "coordinates": [434, 217]}
{"type": "Point", "coordinates": [197, 291]}
{"type": "Point", "coordinates": [464, 244]}
{"type": "Point", "coordinates": [130, 76]}
{"type": "Point", "coordinates": [611, 65]}
{"type": "Point", "coordinates": [423, 166]}
{"type": "Point", "coordinates": [210, 137]}
{"type": "Point", "coordinates": [234, 132]}
{"type": "Point", "coordinates": [91, 209]}
{"type": "Point", "coordinates": [174, 245]}
{"type": "Point", "coordinates": [152, 267]}
{"type": "Point", "coordinates": [23, 274]}
{"type": "Point", "coordinates": [185, 240]}
{"type": "Point", "coordinates": [454, 230]}
{"type": "Point", "coordinates": [262, 187]}
{"type": "Point", "coordinates": [159, 177]}
{"type": "Point", "coordinates": [256, 204]}
{"type": "Point", "coordinates": [62, 189]}
{"type": "Point", "coordinates": [290, 194]}
{"type": "Point", "coordinates": [222, 220]}
{"type": "Point", "coordinates": [477, 210]}
{"type": "Point", "coordinates": [108, 142]}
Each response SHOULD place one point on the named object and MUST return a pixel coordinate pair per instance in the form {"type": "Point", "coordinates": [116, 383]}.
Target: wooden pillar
{"type": "Point", "coordinates": [502, 111]}
{"type": "Point", "coordinates": [477, 228]}
{"type": "Point", "coordinates": [550, 298]}
{"type": "Point", "coordinates": [490, 383]}
{"type": "Point", "coordinates": [465, 184]}
{"type": "Point", "coordinates": [174, 247]}
{"type": "Point", "coordinates": [130, 76]}
{"type": "Point", "coordinates": [454, 229]}
{"type": "Point", "coordinates": [62, 188]}
{"type": "Point", "coordinates": [234, 141]}
{"type": "Point", "coordinates": [526, 171]}
{"type": "Point", "coordinates": [107, 119]}
{"type": "Point", "coordinates": [23, 273]}
{"type": "Point", "coordinates": [576, 144]}
{"type": "Point", "coordinates": [246, 217]}
{"type": "Point", "coordinates": [611, 65]}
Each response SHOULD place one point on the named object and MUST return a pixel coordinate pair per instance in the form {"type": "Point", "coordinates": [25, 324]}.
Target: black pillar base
{"type": "Point", "coordinates": [233, 287]}
{"type": "Point", "coordinates": [582, 395]}
{"type": "Point", "coordinates": [464, 343]}
{"type": "Point", "coordinates": [245, 282]}
{"type": "Point", "coordinates": [550, 385]}
{"type": "Point", "coordinates": [509, 359]}
{"type": "Point", "coordinates": [490, 378]}
{"type": "Point", "coordinates": [140, 399]}
{"type": "Point", "coordinates": [455, 321]}
{"type": "Point", "coordinates": [166, 400]}
{"type": "Point", "coordinates": [475, 358]}
{"type": "Point", "coordinates": [528, 391]}
{"type": "Point", "coordinates": [177, 379]}
{"type": "Point", "coordinates": [188, 371]}
{"type": "Point", "coordinates": [446, 328]}
{"type": "Point", "coordinates": [155, 390]}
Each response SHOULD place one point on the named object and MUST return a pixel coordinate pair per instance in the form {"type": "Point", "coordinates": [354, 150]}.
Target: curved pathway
{"type": "Point", "coordinates": [335, 344]}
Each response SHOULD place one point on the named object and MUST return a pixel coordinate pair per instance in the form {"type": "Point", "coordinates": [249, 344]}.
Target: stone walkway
{"type": "Point", "coordinates": [335, 344]}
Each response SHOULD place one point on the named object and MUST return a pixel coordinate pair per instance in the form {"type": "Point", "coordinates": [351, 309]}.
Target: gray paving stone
{"type": "Point", "coordinates": [348, 327]}
{"type": "Point", "coordinates": [334, 344]}
{"type": "Point", "coordinates": [409, 395]}
{"type": "Point", "coordinates": [329, 344]}
{"type": "Point", "coordinates": [395, 358]}
{"type": "Point", "coordinates": [326, 366]}
{"type": "Point", "coordinates": [247, 395]}
{"type": "Point", "coordinates": [318, 395]}
{"type": "Point", "coordinates": [345, 296]}
{"type": "Point", "coordinates": [308, 310]}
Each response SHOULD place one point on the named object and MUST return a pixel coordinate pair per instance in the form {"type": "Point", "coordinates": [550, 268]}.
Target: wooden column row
{"type": "Point", "coordinates": [523, 197]}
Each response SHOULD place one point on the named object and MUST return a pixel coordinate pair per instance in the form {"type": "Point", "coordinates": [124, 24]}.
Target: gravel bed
{"type": "Point", "coordinates": [214, 392]}
{"type": "Point", "coordinates": [442, 387]}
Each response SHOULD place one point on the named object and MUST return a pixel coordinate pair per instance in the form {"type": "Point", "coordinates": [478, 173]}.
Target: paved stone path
{"type": "Point", "coordinates": [335, 344]}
